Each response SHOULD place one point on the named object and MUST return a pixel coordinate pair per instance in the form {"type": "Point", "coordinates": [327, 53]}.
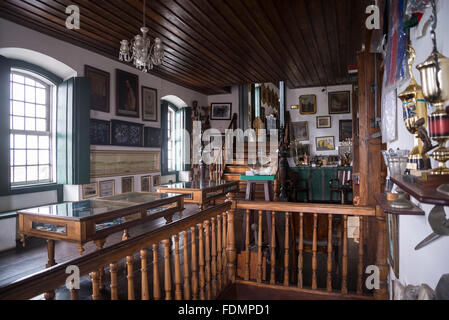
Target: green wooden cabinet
{"type": "Point", "coordinates": [318, 182]}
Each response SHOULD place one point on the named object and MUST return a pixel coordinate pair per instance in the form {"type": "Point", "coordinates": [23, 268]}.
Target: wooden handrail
{"type": "Point", "coordinates": [54, 277]}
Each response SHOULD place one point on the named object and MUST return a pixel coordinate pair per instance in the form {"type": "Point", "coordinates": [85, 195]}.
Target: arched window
{"type": "Point", "coordinates": [32, 124]}
{"type": "Point", "coordinates": [171, 138]}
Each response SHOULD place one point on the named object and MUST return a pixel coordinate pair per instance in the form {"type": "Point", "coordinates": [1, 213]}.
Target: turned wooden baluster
{"type": "Point", "coordinates": [100, 244]}
{"type": "Point", "coordinates": [178, 292]}
{"type": "Point", "coordinates": [95, 276]}
{"type": "Point", "coordinates": [167, 272]}
{"type": "Point", "coordinates": [344, 275]}
{"type": "Point", "coordinates": [130, 277]}
{"type": "Point", "coordinates": [144, 274]}
{"type": "Point", "coordinates": [224, 251]}
{"type": "Point", "coordinates": [360, 262]}
{"type": "Point", "coordinates": [214, 259]}
{"type": "Point", "coordinates": [156, 281]}
{"type": "Point", "coordinates": [194, 265]}
{"type": "Point", "coordinates": [247, 252]}
{"type": "Point", "coordinates": [219, 255]}
{"type": "Point", "coordinates": [231, 250]}
{"type": "Point", "coordinates": [329, 253]}
{"type": "Point", "coordinates": [314, 251]}
{"type": "Point", "coordinates": [186, 266]}
{"type": "Point", "coordinates": [286, 250]}
{"type": "Point", "coordinates": [113, 271]}
{"type": "Point", "coordinates": [207, 248]}
{"type": "Point", "coordinates": [300, 250]}
{"type": "Point", "coordinates": [259, 249]}
{"type": "Point", "coordinates": [201, 261]}
{"type": "Point", "coordinates": [273, 248]}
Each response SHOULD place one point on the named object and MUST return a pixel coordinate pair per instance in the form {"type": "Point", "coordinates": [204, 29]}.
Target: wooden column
{"type": "Point", "coordinates": [381, 255]}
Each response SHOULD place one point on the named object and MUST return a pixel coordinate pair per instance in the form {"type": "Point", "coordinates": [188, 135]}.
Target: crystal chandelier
{"type": "Point", "coordinates": [141, 51]}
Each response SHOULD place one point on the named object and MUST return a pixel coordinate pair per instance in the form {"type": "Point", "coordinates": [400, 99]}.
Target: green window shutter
{"type": "Point", "coordinates": [5, 70]}
{"type": "Point", "coordinates": [72, 132]}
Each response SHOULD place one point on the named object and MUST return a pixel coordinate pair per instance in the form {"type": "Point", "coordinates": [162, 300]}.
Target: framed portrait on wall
{"type": "Point", "coordinates": [89, 190]}
{"type": "Point", "coordinates": [125, 133]}
{"type": "Point", "coordinates": [325, 143]}
{"type": "Point", "coordinates": [99, 132]}
{"type": "Point", "coordinates": [127, 94]}
{"type": "Point", "coordinates": [221, 111]}
{"type": "Point", "coordinates": [152, 137]}
{"type": "Point", "coordinates": [146, 184]}
{"type": "Point", "coordinates": [345, 131]}
{"type": "Point", "coordinates": [127, 184]}
{"type": "Point", "coordinates": [307, 104]}
{"type": "Point", "coordinates": [344, 149]}
{"type": "Point", "coordinates": [149, 104]}
{"type": "Point", "coordinates": [339, 102]}
{"type": "Point", "coordinates": [323, 122]}
{"type": "Point", "coordinates": [107, 188]}
{"type": "Point", "coordinates": [300, 131]}
{"type": "Point", "coordinates": [99, 88]}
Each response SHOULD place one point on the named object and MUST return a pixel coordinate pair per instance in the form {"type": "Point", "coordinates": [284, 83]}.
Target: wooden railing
{"type": "Point", "coordinates": [204, 238]}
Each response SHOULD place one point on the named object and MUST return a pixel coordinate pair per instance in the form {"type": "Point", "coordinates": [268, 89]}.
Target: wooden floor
{"type": "Point", "coordinates": [21, 262]}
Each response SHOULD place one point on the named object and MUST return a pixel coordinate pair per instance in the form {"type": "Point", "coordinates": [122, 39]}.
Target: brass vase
{"type": "Point", "coordinates": [414, 109]}
{"type": "Point", "coordinates": [437, 92]}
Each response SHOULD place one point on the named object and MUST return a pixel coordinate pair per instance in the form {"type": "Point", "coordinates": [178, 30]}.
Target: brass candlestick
{"type": "Point", "coordinates": [414, 109]}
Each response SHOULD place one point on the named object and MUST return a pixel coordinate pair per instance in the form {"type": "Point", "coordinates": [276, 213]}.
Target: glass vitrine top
{"type": "Point", "coordinates": [196, 184]}
{"type": "Point", "coordinates": [89, 208]}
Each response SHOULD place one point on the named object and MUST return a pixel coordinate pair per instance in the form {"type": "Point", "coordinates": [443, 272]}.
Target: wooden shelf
{"type": "Point", "coordinates": [382, 201]}
{"type": "Point", "coordinates": [428, 195]}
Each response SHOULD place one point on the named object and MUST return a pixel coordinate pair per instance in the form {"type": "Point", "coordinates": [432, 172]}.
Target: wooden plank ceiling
{"type": "Point", "coordinates": [213, 44]}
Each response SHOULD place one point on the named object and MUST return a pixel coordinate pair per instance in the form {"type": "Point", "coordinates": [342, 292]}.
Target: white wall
{"type": "Point", "coordinates": [428, 264]}
{"type": "Point", "coordinates": [15, 36]}
{"type": "Point", "coordinates": [322, 110]}
{"type": "Point", "coordinates": [233, 98]}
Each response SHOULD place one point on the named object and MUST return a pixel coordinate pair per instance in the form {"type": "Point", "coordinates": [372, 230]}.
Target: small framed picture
{"type": "Point", "coordinates": [344, 149]}
{"type": "Point", "coordinates": [107, 188]}
{"type": "Point", "coordinates": [300, 131]}
{"type": "Point", "coordinates": [307, 104]}
{"type": "Point", "coordinates": [345, 131]}
{"type": "Point", "coordinates": [127, 184]}
{"type": "Point", "coordinates": [145, 184]}
{"type": "Point", "coordinates": [323, 122]}
{"type": "Point", "coordinates": [221, 111]}
{"type": "Point", "coordinates": [339, 102]}
{"type": "Point", "coordinates": [127, 94]}
{"type": "Point", "coordinates": [89, 190]}
{"type": "Point", "coordinates": [99, 88]}
{"type": "Point", "coordinates": [149, 104]}
{"type": "Point", "coordinates": [156, 180]}
{"type": "Point", "coordinates": [325, 143]}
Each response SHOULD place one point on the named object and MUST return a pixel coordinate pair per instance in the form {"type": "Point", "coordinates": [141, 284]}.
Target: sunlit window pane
{"type": "Point", "coordinates": [31, 157]}
{"type": "Point", "coordinates": [30, 124]}
{"type": "Point", "coordinates": [44, 172]}
{"type": "Point", "coordinates": [20, 157]}
{"type": "Point", "coordinates": [40, 96]}
{"type": "Point", "coordinates": [20, 141]}
{"type": "Point", "coordinates": [18, 91]}
{"type": "Point", "coordinates": [30, 110]}
{"type": "Point", "coordinates": [19, 174]}
{"type": "Point", "coordinates": [30, 82]}
{"type": "Point", "coordinates": [41, 111]}
{"type": "Point", "coordinates": [32, 142]}
{"type": "Point", "coordinates": [30, 94]}
{"type": "Point", "coordinates": [18, 108]}
{"type": "Point", "coordinates": [39, 85]}
{"type": "Point", "coordinates": [44, 142]}
{"type": "Point", "coordinates": [18, 78]}
{"type": "Point", "coordinates": [32, 173]}
{"type": "Point", "coordinates": [41, 125]}
{"type": "Point", "coordinates": [44, 157]}
{"type": "Point", "coordinates": [18, 123]}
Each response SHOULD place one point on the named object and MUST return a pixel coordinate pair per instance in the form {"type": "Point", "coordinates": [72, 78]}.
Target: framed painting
{"type": "Point", "coordinates": [323, 122]}
{"type": "Point", "coordinates": [152, 137]}
{"type": "Point", "coordinates": [145, 184]}
{"type": "Point", "coordinates": [345, 131]}
{"type": "Point", "coordinates": [149, 104]}
{"type": "Point", "coordinates": [125, 133]}
{"type": "Point", "coordinates": [156, 180]}
{"type": "Point", "coordinates": [221, 111]}
{"type": "Point", "coordinates": [127, 184]}
{"type": "Point", "coordinates": [107, 188]}
{"type": "Point", "coordinates": [339, 102]}
{"type": "Point", "coordinates": [299, 131]}
{"type": "Point", "coordinates": [325, 143]}
{"type": "Point", "coordinates": [344, 149]}
{"type": "Point", "coordinates": [89, 190]}
{"type": "Point", "coordinates": [99, 88]}
{"type": "Point", "coordinates": [393, 242]}
{"type": "Point", "coordinates": [307, 104]}
{"type": "Point", "coordinates": [127, 94]}
{"type": "Point", "coordinates": [99, 132]}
